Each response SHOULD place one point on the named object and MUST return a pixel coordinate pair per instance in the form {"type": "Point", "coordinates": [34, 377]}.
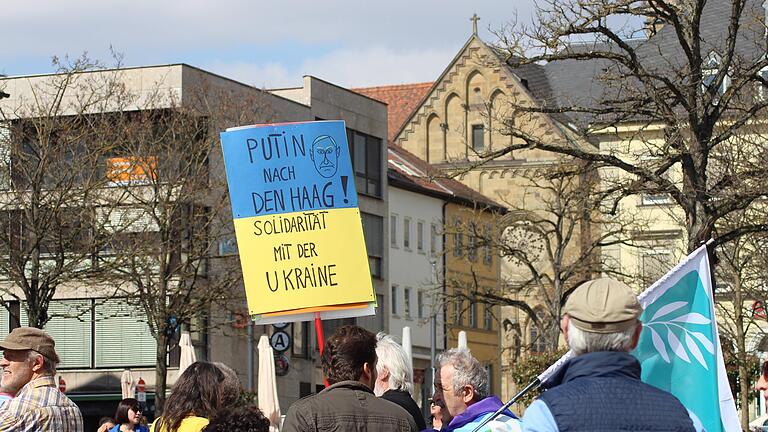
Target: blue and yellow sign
{"type": "Point", "coordinates": [296, 219]}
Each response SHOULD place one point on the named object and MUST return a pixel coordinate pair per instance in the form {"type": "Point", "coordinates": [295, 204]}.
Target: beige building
{"type": "Point", "coordinates": [453, 124]}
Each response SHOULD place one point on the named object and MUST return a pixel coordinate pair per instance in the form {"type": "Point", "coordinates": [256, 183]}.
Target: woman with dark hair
{"type": "Point", "coordinates": [128, 417]}
{"type": "Point", "coordinates": [195, 398]}
{"type": "Point", "coordinates": [239, 419]}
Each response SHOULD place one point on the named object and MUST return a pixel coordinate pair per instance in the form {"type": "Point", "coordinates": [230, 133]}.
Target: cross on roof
{"type": "Point", "coordinates": [474, 20]}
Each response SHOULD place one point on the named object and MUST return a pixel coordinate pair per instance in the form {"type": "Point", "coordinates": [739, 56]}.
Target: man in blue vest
{"type": "Point", "coordinates": [600, 388]}
{"type": "Point", "coordinates": [461, 391]}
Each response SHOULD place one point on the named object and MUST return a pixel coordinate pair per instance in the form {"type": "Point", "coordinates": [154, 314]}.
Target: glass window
{"type": "Point", "coordinates": [70, 327]}
{"type": "Point", "coordinates": [457, 239]}
{"type": "Point", "coordinates": [301, 338]}
{"type": "Point", "coordinates": [420, 236]}
{"type": "Point", "coordinates": [473, 314]}
{"type": "Point", "coordinates": [488, 317]}
{"type": "Point", "coordinates": [477, 137]}
{"type": "Point", "coordinates": [393, 230]}
{"type": "Point", "coordinates": [407, 302]}
{"type": "Point", "coordinates": [433, 239]}
{"type": "Point", "coordinates": [538, 339]}
{"type": "Point", "coordinates": [472, 244]}
{"type": "Point", "coordinates": [420, 303]}
{"type": "Point", "coordinates": [487, 249]}
{"type": "Point", "coordinates": [366, 160]}
{"type": "Point", "coordinates": [373, 231]}
{"type": "Point", "coordinates": [116, 323]}
{"type": "Point", "coordinates": [457, 311]}
{"type": "Point", "coordinates": [407, 233]}
{"type": "Point", "coordinates": [656, 262]}
{"type": "Point", "coordinates": [393, 297]}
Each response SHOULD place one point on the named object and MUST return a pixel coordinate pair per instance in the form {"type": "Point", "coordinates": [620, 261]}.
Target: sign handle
{"type": "Point", "coordinates": [320, 339]}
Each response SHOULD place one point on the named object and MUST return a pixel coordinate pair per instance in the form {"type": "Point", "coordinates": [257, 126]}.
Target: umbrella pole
{"type": "Point", "coordinates": [320, 339]}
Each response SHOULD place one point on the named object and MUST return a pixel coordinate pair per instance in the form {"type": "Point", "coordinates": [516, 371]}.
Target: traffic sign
{"type": "Point", "coordinates": [280, 341]}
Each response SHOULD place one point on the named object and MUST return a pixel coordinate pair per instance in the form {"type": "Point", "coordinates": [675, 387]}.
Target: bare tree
{"type": "Point", "coordinates": [741, 296]}
{"type": "Point", "coordinates": [171, 210]}
{"type": "Point", "coordinates": [52, 144]}
{"type": "Point", "coordinates": [666, 109]}
{"type": "Point", "coordinates": [551, 246]}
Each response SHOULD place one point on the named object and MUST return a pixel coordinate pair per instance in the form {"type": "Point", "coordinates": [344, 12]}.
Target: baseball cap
{"type": "Point", "coordinates": [31, 338]}
{"type": "Point", "coordinates": [603, 305]}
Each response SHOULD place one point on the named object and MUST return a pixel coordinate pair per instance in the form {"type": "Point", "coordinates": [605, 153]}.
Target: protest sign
{"type": "Point", "coordinates": [296, 219]}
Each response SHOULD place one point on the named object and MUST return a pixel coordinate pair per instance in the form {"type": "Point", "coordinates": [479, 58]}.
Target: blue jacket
{"type": "Point", "coordinates": [602, 391]}
{"type": "Point", "coordinates": [479, 411]}
{"type": "Point", "coordinates": [138, 428]}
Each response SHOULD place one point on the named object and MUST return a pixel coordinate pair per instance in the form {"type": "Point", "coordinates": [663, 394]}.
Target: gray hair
{"type": "Point", "coordinates": [469, 371]}
{"type": "Point", "coordinates": [392, 357]}
{"type": "Point", "coordinates": [49, 366]}
{"type": "Point", "coordinates": [582, 342]}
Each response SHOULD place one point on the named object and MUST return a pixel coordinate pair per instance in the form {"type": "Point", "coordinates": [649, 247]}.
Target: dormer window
{"type": "Point", "coordinates": [709, 71]}
{"type": "Point", "coordinates": [762, 89]}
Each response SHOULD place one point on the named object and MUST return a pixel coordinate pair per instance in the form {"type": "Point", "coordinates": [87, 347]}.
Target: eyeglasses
{"type": "Point", "coordinates": [136, 409]}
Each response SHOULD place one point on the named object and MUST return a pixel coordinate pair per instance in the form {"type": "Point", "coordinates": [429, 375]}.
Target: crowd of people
{"type": "Point", "coordinates": [370, 385]}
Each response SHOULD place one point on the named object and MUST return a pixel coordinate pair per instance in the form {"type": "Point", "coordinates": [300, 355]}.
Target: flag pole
{"type": "Point", "coordinates": [531, 386]}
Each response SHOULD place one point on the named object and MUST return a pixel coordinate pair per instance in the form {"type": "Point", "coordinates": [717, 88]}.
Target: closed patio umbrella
{"type": "Point", "coordinates": [268, 403]}
{"type": "Point", "coordinates": [126, 384]}
{"type": "Point", "coordinates": [187, 354]}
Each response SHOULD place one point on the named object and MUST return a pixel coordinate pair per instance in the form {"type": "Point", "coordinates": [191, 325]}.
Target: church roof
{"type": "Point", "coordinates": [401, 101]}
{"type": "Point", "coordinates": [569, 83]}
{"type": "Point", "coordinates": [407, 171]}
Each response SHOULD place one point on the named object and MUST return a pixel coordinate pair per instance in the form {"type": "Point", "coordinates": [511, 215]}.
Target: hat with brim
{"type": "Point", "coordinates": [31, 338]}
{"type": "Point", "coordinates": [603, 305]}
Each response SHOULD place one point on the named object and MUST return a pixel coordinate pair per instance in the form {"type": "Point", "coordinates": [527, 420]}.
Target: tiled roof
{"type": "Point", "coordinates": [401, 99]}
{"type": "Point", "coordinates": [407, 171]}
{"type": "Point", "coordinates": [568, 83]}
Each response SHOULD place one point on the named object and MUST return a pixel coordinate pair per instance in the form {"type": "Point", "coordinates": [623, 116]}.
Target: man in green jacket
{"type": "Point", "coordinates": [349, 364]}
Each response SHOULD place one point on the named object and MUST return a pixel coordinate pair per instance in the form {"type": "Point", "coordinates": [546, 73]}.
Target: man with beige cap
{"type": "Point", "coordinates": [29, 366]}
{"type": "Point", "coordinates": [599, 388]}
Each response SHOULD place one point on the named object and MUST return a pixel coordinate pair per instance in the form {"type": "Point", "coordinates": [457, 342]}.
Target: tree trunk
{"type": "Point", "coordinates": [161, 373]}
{"type": "Point", "coordinates": [741, 352]}
{"type": "Point", "coordinates": [699, 227]}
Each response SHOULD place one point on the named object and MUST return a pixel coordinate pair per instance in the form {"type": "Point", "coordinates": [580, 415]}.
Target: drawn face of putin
{"type": "Point", "coordinates": [325, 155]}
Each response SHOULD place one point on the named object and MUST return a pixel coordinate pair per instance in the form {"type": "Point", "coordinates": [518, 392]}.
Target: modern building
{"type": "Point", "coordinates": [98, 336]}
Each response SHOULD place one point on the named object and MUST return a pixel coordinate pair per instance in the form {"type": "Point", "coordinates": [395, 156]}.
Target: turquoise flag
{"type": "Point", "coordinates": [679, 349]}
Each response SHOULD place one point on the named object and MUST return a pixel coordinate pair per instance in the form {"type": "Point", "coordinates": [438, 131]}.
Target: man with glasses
{"type": "Point", "coordinates": [762, 387]}
{"type": "Point", "coordinates": [29, 366]}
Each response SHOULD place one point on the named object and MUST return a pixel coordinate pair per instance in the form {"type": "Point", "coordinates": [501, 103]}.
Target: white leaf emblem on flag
{"type": "Point", "coordinates": [659, 344]}
{"type": "Point", "coordinates": [668, 309]}
{"type": "Point", "coordinates": [704, 342]}
{"type": "Point", "coordinates": [676, 346]}
{"type": "Point", "coordinates": [692, 318]}
{"type": "Point", "coordinates": [676, 330]}
{"type": "Point", "coordinates": [694, 349]}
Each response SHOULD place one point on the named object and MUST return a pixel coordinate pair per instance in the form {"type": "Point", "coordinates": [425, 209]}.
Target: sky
{"type": "Point", "coordinates": [266, 44]}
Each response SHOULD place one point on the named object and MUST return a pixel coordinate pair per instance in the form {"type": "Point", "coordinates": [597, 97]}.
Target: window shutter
{"type": "Point", "coordinates": [70, 327]}
{"type": "Point", "coordinates": [5, 322]}
{"type": "Point", "coordinates": [122, 336]}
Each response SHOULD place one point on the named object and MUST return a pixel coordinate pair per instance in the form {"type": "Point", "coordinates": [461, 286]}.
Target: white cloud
{"type": "Point", "coordinates": [272, 43]}
{"type": "Point", "coordinates": [379, 65]}
{"type": "Point", "coordinates": [268, 75]}
{"type": "Point", "coordinates": [346, 67]}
